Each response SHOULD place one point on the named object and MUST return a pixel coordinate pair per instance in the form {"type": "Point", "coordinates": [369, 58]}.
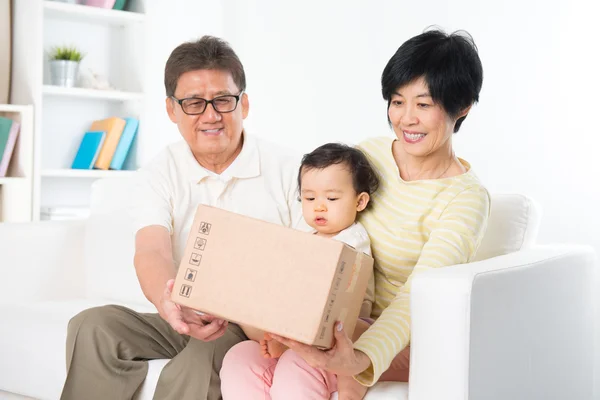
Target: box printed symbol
{"type": "Point", "coordinates": [195, 259]}
{"type": "Point", "coordinates": [185, 291]}
{"type": "Point", "coordinates": [190, 275]}
{"type": "Point", "coordinates": [200, 244]}
{"type": "Point", "coordinates": [204, 228]}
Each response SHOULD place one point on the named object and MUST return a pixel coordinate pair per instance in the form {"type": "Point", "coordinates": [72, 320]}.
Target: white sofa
{"type": "Point", "coordinates": [516, 325]}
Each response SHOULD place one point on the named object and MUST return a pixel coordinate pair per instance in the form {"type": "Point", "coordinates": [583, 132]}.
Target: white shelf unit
{"type": "Point", "coordinates": [81, 93]}
{"type": "Point", "coordinates": [82, 173]}
{"type": "Point", "coordinates": [114, 45]}
{"type": "Point", "coordinates": [16, 188]}
{"type": "Point", "coordinates": [94, 15]}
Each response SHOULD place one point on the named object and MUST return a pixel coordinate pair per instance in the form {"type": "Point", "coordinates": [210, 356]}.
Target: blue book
{"type": "Point", "coordinates": [5, 126]}
{"type": "Point", "coordinates": [89, 149]}
{"type": "Point", "coordinates": [129, 132]}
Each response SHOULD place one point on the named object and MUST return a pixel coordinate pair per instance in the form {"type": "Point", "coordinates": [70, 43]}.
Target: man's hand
{"type": "Point", "coordinates": [186, 321]}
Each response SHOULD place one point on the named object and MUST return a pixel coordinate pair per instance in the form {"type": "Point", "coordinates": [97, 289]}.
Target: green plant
{"type": "Point", "coordinates": [68, 53]}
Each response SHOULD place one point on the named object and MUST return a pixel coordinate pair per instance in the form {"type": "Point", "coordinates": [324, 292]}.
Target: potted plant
{"type": "Point", "coordinates": [64, 65]}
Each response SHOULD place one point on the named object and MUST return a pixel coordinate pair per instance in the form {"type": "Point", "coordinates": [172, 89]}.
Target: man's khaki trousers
{"type": "Point", "coordinates": [107, 350]}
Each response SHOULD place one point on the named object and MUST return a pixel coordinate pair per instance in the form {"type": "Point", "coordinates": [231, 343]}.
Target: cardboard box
{"type": "Point", "coordinates": [273, 278]}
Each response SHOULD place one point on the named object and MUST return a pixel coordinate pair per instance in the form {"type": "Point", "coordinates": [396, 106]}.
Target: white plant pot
{"type": "Point", "coordinates": [64, 73]}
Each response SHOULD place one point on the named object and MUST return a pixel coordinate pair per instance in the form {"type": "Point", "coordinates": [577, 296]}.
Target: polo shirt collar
{"type": "Point", "coordinates": [245, 165]}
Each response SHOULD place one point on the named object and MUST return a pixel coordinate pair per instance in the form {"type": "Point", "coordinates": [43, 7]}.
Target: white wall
{"type": "Point", "coordinates": [313, 70]}
{"type": "Point", "coordinates": [170, 23]}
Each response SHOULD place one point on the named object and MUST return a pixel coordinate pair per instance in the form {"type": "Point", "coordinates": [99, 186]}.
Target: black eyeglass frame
{"type": "Point", "coordinates": [207, 102]}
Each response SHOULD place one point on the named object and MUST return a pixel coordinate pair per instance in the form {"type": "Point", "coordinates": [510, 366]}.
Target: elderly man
{"type": "Point", "coordinates": [216, 164]}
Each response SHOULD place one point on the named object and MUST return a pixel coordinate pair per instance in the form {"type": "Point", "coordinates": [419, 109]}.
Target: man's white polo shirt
{"type": "Point", "coordinates": [260, 183]}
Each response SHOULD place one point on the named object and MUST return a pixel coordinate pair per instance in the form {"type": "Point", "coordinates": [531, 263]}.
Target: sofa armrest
{"type": "Point", "coordinates": [41, 260]}
{"type": "Point", "coordinates": [518, 326]}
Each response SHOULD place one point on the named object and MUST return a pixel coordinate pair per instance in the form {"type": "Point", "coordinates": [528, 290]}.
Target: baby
{"type": "Point", "coordinates": [335, 183]}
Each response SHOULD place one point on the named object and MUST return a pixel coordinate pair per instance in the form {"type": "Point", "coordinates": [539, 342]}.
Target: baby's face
{"type": "Point", "coordinates": [329, 201]}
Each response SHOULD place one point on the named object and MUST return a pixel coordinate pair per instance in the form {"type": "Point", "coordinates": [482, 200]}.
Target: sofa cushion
{"type": "Point", "coordinates": [33, 345]}
{"type": "Point", "coordinates": [513, 225]}
{"type": "Point", "coordinates": [385, 391]}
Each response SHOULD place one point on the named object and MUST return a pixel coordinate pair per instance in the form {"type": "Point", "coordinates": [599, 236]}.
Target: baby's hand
{"type": "Point", "coordinates": [271, 348]}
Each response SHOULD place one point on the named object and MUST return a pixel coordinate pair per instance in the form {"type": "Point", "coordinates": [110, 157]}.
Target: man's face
{"type": "Point", "coordinates": [210, 133]}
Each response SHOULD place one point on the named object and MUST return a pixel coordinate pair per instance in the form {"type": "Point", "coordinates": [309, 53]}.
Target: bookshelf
{"type": "Point", "coordinates": [10, 179]}
{"type": "Point", "coordinates": [82, 173]}
{"type": "Point", "coordinates": [16, 187]}
{"type": "Point", "coordinates": [114, 46]}
{"type": "Point", "coordinates": [91, 15]}
{"type": "Point", "coordinates": [81, 93]}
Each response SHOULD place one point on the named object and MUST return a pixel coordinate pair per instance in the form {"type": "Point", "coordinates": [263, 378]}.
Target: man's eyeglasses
{"type": "Point", "coordinates": [197, 105]}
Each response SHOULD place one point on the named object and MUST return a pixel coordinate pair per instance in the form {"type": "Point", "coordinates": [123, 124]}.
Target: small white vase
{"type": "Point", "coordinates": [64, 73]}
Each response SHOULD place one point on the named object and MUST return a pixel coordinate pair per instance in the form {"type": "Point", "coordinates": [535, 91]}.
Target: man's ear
{"type": "Point", "coordinates": [170, 105]}
{"type": "Point", "coordinates": [245, 106]}
{"type": "Point", "coordinates": [363, 201]}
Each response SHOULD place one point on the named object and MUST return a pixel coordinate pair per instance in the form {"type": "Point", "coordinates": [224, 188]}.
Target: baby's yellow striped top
{"type": "Point", "coordinates": [413, 226]}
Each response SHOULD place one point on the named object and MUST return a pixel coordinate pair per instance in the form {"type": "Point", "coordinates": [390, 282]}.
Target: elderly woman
{"type": "Point", "coordinates": [431, 210]}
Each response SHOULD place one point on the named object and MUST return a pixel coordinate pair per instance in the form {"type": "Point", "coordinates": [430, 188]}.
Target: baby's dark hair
{"type": "Point", "coordinates": [364, 177]}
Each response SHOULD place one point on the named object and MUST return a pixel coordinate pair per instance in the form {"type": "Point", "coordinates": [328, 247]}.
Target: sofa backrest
{"type": "Point", "coordinates": [513, 225]}
{"type": "Point", "coordinates": [109, 243]}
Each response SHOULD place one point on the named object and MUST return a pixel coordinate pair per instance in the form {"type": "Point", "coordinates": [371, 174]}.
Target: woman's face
{"type": "Point", "coordinates": [422, 126]}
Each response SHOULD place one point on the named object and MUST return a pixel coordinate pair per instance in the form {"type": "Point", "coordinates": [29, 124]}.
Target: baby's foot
{"type": "Point", "coordinates": [271, 348]}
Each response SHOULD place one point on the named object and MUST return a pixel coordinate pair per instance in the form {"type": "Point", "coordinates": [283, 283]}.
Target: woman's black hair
{"type": "Point", "coordinates": [449, 63]}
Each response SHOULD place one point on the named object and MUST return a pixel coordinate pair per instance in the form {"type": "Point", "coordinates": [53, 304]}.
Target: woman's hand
{"type": "Point", "coordinates": [341, 359]}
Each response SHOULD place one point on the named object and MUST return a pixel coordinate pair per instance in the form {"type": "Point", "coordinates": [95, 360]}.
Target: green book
{"type": "Point", "coordinates": [5, 125]}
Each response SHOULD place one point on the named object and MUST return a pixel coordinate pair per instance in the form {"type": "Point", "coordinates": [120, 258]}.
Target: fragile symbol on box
{"type": "Point", "coordinates": [204, 228]}
{"type": "Point", "coordinates": [195, 259]}
{"type": "Point", "coordinates": [200, 244]}
{"type": "Point", "coordinates": [190, 275]}
{"type": "Point", "coordinates": [185, 291]}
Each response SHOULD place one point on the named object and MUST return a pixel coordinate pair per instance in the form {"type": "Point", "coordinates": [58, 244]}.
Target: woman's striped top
{"type": "Point", "coordinates": [413, 226]}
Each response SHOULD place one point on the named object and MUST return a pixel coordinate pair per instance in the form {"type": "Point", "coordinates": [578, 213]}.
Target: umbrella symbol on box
{"type": "Point", "coordinates": [190, 275]}
{"type": "Point", "coordinates": [195, 259]}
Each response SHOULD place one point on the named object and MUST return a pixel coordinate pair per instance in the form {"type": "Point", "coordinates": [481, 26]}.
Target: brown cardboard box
{"type": "Point", "coordinates": [273, 278]}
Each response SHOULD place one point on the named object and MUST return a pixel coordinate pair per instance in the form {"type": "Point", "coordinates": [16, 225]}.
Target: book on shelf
{"type": "Point", "coordinates": [64, 213]}
{"type": "Point", "coordinates": [113, 127]}
{"type": "Point", "coordinates": [9, 130]}
{"type": "Point", "coordinates": [107, 144]}
{"type": "Point", "coordinates": [122, 150]}
{"type": "Point", "coordinates": [89, 149]}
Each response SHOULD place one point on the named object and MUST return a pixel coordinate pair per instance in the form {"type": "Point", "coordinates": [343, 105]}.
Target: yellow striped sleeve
{"type": "Point", "coordinates": [454, 239]}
